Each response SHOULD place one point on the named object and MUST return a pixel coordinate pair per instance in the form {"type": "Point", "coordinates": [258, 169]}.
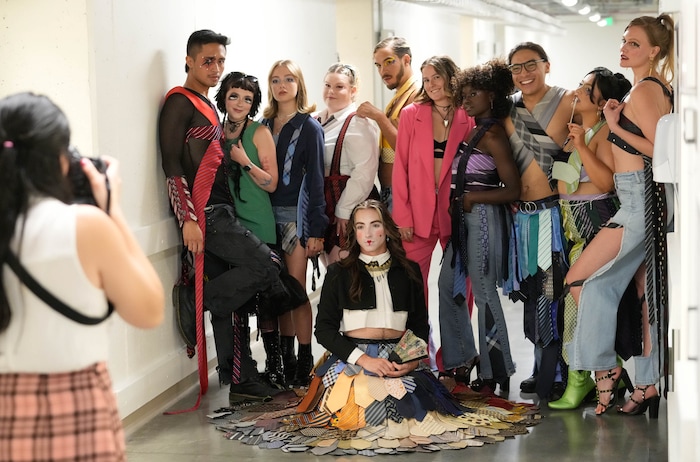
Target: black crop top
{"type": "Point", "coordinates": [627, 124]}
{"type": "Point", "coordinates": [439, 148]}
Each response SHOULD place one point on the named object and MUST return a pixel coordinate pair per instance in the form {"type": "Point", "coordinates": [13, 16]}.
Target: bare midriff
{"type": "Point", "coordinates": [374, 333]}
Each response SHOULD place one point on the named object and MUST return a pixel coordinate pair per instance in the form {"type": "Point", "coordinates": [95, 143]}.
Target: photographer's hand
{"type": "Point", "coordinates": [107, 195]}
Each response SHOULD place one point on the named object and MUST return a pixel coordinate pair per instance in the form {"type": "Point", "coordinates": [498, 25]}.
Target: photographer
{"type": "Point", "coordinates": [52, 365]}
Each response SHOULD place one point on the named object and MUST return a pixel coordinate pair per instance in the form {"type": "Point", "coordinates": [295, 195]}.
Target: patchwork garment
{"type": "Point", "coordinates": [349, 411]}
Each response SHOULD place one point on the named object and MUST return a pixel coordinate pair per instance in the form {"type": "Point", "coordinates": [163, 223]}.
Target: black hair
{"type": "Point", "coordinates": [244, 82]}
{"type": "Point", "coordinates": [609, 85]}
{"type": "Point", "coordinates": [537, 48]}
{"type": "Point", "coordinates": [393, 243]}
{"type": "Point", "coordinates": [34, 134]}
{"type": "Point", "coordinates": [203, 37]}
{"type": "Point", "coordinates": [493, 76]}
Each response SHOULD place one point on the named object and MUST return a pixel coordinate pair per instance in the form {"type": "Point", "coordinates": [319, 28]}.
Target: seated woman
{"type": "Point", "coordinates": [368, 301]}
{"type": "Point", "coordinates": [374, 395]}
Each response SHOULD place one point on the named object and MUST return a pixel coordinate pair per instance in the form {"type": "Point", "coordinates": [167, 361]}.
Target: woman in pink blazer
{"type": "Point", "coordinates": [430, 131]}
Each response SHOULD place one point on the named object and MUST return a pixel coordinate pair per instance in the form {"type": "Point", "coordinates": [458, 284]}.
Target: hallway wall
{"type": "Point", "coordinates": [108, 64]}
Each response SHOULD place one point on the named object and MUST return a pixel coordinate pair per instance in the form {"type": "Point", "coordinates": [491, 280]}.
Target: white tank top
{"type": "Point", "coordinates": [39, 339]}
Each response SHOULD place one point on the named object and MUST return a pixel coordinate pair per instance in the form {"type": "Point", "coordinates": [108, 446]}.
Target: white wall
{"type": "Point", "coordinates": [108, 63]}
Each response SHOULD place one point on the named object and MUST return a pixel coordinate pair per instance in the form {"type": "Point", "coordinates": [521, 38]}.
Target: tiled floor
{"type": "Point", "coordinates": [562, 436]}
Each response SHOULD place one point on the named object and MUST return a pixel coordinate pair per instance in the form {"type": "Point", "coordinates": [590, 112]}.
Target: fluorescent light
{"type": "Point", "coordinates": [569, 2]}
{"type": "Point", "coordinates": [602, 23]}
{"type": "Point", "coordinates": [585, 10]}
{"type": "Point", "coordinates": [594, 18]}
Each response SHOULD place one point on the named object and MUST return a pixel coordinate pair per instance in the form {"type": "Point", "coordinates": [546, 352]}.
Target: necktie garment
{"type": "Point", "coordinates": [544, 240]}
{"type": "Point", "coordinates": [289, 157]}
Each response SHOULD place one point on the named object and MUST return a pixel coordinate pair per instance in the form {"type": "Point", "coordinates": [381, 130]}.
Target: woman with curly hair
{"type": "Point", "coordinates": [484, 180]}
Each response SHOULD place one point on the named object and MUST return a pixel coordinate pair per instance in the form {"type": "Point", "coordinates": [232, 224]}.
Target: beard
{"type": "Point", "coordinates": [399, 77]}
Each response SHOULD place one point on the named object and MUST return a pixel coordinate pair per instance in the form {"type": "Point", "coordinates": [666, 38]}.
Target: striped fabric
{"type": "Point", "coordinates": [581, 221]}
{"type": "Point", "coordinates": [60, 417]}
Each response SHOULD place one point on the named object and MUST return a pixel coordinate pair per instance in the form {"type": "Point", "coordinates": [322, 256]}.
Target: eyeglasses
{"type": "Point", "coordinates": [241, 76]}
{"type": "Point", "coordinates": [528, 65]}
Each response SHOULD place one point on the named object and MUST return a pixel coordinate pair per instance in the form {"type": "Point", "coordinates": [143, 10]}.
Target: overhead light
{"type": "Point", "coordinates": [585, 10]}
{"type": "Point", "coordinates": [594, 18]}
{"type": "Point", "coordinates": [605, 22]}
{"type": "Point", "coordinates": [569, 2]}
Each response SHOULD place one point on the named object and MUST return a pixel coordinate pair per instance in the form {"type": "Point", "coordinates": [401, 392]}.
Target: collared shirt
{"type": "Point", "coordinates": [359, 157]}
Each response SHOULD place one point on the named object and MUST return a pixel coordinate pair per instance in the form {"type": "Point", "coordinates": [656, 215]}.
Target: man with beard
{"type": "Point", "coordinates": [392, 57]}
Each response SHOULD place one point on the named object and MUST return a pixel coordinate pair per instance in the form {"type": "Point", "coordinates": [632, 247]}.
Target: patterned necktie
{"type": "Point", "coordinates": [287, 172]}
{"type": "Point", "coordinates": [544, 240]}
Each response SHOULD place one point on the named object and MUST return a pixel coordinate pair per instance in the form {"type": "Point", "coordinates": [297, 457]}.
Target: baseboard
{"type": "Point", "coordinates": [166, 400]}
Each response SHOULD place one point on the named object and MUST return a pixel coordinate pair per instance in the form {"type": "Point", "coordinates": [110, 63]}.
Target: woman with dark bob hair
{"type": "Point", "coordinates": [82, 255]}
{"type": "Point", "coordinates": [485, 180]}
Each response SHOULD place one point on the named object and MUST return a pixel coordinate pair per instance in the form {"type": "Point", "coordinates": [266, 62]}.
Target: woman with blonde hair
{"type": "Point", "coordinates": [297, 203]}
{"type": "Point", "coordinates": [351, 155]}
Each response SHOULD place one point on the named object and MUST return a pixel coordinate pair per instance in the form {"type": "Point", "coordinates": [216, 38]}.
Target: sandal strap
{"type": "Point", "coordinates": [609, 375]}
{"type": "Point", "coordinates": [644, 394]}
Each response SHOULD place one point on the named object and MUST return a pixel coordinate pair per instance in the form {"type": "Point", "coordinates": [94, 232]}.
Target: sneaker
{"type": "Point", "coordinates": [251, 390]}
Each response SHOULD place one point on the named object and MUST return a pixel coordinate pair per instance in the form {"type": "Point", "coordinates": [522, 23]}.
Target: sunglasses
{"type": "Point", "coordinates": [242, 76]}
{"type": "Point", "coordinates": [528, 65]}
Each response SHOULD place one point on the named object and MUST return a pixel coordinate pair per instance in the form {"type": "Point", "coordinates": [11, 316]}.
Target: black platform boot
{"type": "Point", "coordinates": [274, 370]}
{"type": "Point", "coordinates": [289, 357]}
{"type": "Point", "coordinates": [305, 363]}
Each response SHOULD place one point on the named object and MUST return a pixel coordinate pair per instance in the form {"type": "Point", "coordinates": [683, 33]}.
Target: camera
{"type": "Point", "coordinates": [79, 184]}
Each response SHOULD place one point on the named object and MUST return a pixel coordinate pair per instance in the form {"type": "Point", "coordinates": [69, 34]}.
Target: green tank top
{"type": "Point", "coordinates": [253, 207]}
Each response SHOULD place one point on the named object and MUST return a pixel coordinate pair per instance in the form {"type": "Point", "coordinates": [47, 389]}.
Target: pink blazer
{"type": "Point", "coordinates": [413, 183]}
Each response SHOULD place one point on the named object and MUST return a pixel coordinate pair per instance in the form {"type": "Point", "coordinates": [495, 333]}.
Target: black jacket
{"type": "Point", "coordinates": [406, 294]}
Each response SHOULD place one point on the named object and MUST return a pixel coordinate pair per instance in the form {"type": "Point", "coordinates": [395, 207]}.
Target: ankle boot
{"type": "Point", "coordinates": [305, 363]}
{"type": "Point", "coordinates": [289, 357]}
{"type": "Point", "coordinates": [580, 386]}
{"type": "Point", "coordinates": [274, 370]}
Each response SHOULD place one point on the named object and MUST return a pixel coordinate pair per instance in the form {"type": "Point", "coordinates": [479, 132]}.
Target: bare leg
{"type": "Point", "coordinates": [333, 256]}
{"type": "Point", "coordinates": [603, 248]}
{"type": "Point", "coordinates": [300, 318]}
{"type": "Point", "coordinates": [642, 391]}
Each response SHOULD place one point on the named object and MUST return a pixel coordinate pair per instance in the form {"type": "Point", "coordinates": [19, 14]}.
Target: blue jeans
{"type": "Point", "coordinates": [458, 348]}
{"type": "Point", "coordinates": [593, 345]}
{"type": "Point", "coordinates": [493, 332]}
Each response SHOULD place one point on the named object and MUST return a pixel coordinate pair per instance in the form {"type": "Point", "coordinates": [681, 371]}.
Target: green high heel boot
{"type": "Point", "coordinates": [579, 387]}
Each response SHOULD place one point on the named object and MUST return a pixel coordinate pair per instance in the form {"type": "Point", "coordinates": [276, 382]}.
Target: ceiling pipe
{"type": "Point", "coordinates": [509, 12]}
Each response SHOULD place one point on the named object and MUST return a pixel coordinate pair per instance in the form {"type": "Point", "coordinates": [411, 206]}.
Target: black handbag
{"type": "Point", "coordinates": [49, 298]}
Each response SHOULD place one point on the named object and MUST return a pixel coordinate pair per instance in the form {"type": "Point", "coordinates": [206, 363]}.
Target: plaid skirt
{"type": "Point", "coordinates": [60, 417]}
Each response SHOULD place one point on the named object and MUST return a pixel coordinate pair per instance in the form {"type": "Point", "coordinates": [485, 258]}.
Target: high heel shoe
{"type": "Point", "coordinates": [579, 388]}
{"type": "Point", "coordinates": [463, 374]}
{"type": "Point", "coordinates": [612, 391]}
{"type": "Point", "coordinates": [480, 384]}
{"type": "Point", "coordinates": [641, 406]}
